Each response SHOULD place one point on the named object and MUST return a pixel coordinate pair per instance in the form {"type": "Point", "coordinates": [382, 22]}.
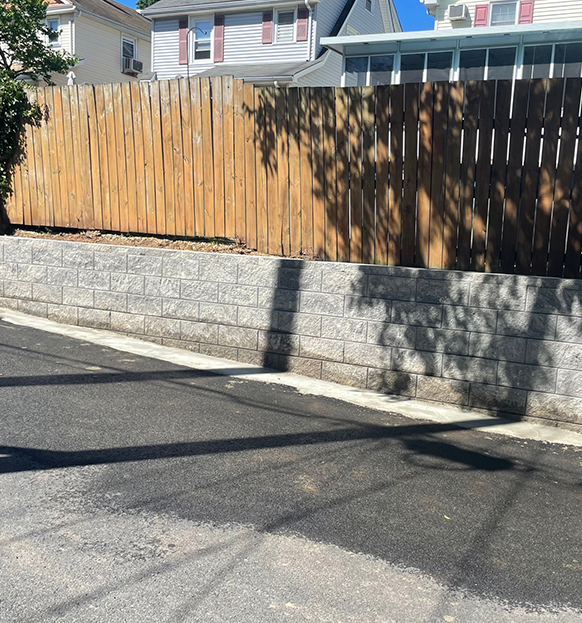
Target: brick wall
{"type": "Point", "coordinates": [503, 343]}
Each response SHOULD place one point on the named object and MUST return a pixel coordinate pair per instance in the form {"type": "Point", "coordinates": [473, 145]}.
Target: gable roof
{"type": "Point", "coordinates": [107, 9]}
{"type": "Point", "coordinates": [211, 5]}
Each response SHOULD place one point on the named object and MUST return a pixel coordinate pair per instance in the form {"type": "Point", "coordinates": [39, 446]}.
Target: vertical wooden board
{"type": "Point", "coordinates": [250, 179]}
{"type": "Point", "coordinates": [16, 206]}
{"type": "Point", "coordinates": [208, 156]}
{"type": "Point", "coordinates": [270, 129]}
{"type": "Point", "coordinates": [239, 160]}
{"type": "Point", "coordinates": [261, 160]}
{"type": "Point", "coordinates": [76, 210]}
{"type": "Point", "coordinates": [121, 156]}
{"type": "Point", "coordinates": [35, 154]}
{"type": "Point", "coordinates": [563, 191]}
{"type": "Point", "coordinates": [140, 165]}
{"type": "Point", "coordinates": [101, 138]}
{"type": "Point", "coordinates": [530, 177]}
{"type": "Point", "coordinates": [28, 179]}
{"type": "Point", "coordinates": [62, 178]}
{"type": "Point", "coordinates": [282, 213]}
{"type": "Point", "coordinates": [498, 174]}
{"type": "Point", "coordinates": [95, 169]}
{"type": "Point", "coordinates": [356, 202]}
{"type": "Point", "coordinates": [471, 118]}
{"type": "Point", "coordinates": [342, 175]}
{"type": "Point", "coordinates": [368, 174]}
{"type": "Point", "coordinates": [552, 122]}
{"type": "Point", "coordinates": [424, 175]}
{"type": "Point", "coordinates": [45, 154]}
{"type": "Point", "coordinates": [90, 200]}
{"type": "Point", "coordinates": [198, 154]}
{"type": "Point", "coordinates": [306, 162]}
{"type": "Point", "coordinates": [396, 172]}
{"type": "Point", "coordinates": [218, 142]}
{"type": "Point", "coordinates": [437, 191]}
{"type": "Point", "coordinates": [411, 97]}
{"type": "Point", "coordinates": [574, 242]}
{"type": "Point", "coordinates": [148, 155]}
{"type": "Point", "coordinates": [382, 173]}
{"type": "Point", "coordinates": [186, 123]}
{"type": "Point", "coordinates": [178, 158]}
{"type": "Point", "coordinates": [129, 153]}
{"type": "Point", "coordinates": [514, 173]}
{"type": "Point", "coordinates": [317, 162]}
{"type": "Point", "coordinates": [160, 188]}
{"type": "Point", "coordinates": [330, 173]}
{"type": "Point", "coordinates": [483, 174]}
{"type": "Point", "coordinates": [228, 127]}
{"type": "Point", "coordinates": [168, 157]}
{"type": "Point", "coordinates": [111, 143]}
{"type": "Point", "coordinates": [294, 172]}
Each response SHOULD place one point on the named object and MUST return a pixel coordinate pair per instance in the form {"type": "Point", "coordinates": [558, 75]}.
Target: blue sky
{"type": "Point", "coordinates": [412, 14]}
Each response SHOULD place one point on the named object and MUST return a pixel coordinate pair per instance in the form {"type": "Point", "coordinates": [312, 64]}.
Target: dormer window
{"type": "Point", "coordinates": [285, 29]}
{"type": "Point", "coordinates": [503, 13]}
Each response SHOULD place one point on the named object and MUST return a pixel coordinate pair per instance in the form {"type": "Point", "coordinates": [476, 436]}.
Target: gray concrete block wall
{"type": "Point", "coordinates": [502, 343]}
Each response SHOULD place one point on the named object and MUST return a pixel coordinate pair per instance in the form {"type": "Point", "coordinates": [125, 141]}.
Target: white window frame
{"type": "Point", "coordinates": [492, 4]}
{"type": "Point", "coordinates": [371, 9]}
{"type": "Point", "coordinates": [191, 40]}
{"type": "Point", "coordinates": [57, 43]}
{"type": "Point", "coordinates": [276, 26]}
{"type": "Point", "coordinates": [131, 40]}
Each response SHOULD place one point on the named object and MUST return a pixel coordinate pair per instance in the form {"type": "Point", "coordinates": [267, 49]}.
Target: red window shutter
{"type": "Point", "coordinates": [526, 9]}
{"type": "Point", "coordinates": [302, 21]}
{"type": "Point", "coordinates": [219, 38]}
{"type": "Point", "coordinates": [481, 15]}
{"type": "Point", "coordinates": [268, 27]}
{"type": "Point", "coordinates": [183, 38]}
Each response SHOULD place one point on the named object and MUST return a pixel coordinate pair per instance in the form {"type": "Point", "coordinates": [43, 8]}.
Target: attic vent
{"type": "Point", "coordinates": [458, 12]}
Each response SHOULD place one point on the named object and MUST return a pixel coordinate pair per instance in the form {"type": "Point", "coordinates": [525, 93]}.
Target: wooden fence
{"type": "Point", "coordinates": [479, 176]}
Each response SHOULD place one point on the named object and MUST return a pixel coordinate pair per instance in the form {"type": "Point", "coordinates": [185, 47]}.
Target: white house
{"type": "Point", "coordinates": [112, 41]}
{"type": "Point", "coordinates": [472, 40]}
{"type": "Point", "coordinates": [273, 41]}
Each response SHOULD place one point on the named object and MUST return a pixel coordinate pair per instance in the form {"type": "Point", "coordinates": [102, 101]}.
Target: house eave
{"type": "Point", "coordinates": [215, 7]}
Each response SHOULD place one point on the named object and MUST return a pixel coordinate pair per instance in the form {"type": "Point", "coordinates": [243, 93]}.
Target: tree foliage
{"type": "Point", "coordinates": [144, 4]}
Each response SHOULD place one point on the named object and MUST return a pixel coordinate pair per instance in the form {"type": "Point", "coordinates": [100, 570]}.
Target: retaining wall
{"type": "Point", "coordinates": [503, 343]}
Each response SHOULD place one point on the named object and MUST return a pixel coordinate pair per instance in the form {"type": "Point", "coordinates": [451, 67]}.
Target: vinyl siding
{"type": "Point", "coordinates": [364, 21]}
{"type": "Point", "coordinates": [328, 75]}
{"type": "Point", "coordinates": [327, 13]}
{"type": "Point", "coordinates": [66, 29]}
{"type": "Point", "coordinates": [545, 11]}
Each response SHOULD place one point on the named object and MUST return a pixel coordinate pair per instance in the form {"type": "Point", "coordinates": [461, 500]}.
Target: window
{"type": "Point", "coordinates": [501, 63]}
{"type": "Point", "coordinates": [285, 32]}
{"type": "Point", "coordinates": [411, 68]}
{"type": "Point", "coordinates": [201, 33]}
{"type": "Point", "coordinates": [472, 65]}
{"type": "Point", "coordinates": [54, 38]}
{"type": "Point", "coordinates": [537, 61]}
{"type": "Point", "coordinates": [356, 71]}
{"type": "Point", "coordinates": [128, 48]}
{"type": "Point", "coordinates": [568, 60]}
{"type": "Point", "coordinates": [381, 68]}
{"type": "Point", "coordinates": [369, 5]}
{"type": "Point", "coordinates": [503, 13]}
{"type": "Point", "coordinates": [438, 66]}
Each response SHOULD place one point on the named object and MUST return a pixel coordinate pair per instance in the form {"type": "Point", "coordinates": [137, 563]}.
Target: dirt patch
{"type": "Point", "coordinates": [233, 247]}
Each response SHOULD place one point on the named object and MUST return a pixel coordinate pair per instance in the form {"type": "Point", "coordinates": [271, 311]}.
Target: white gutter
{"type": "Point", "coordinates": [212, 7]}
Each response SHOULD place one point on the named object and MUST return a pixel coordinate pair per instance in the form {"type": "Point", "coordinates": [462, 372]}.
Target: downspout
{"type": "Point", "coordinates": [310, 8]}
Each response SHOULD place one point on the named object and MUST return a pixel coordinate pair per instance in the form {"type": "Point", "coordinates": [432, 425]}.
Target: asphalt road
{"type": "Point", "coordinates": [135, 490]}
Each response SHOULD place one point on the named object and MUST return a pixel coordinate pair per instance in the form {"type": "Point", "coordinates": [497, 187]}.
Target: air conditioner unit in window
{"type": "Point", "coordinates": [431, 5]}
{"type": "Point", "coordinates": [132, 66]}
{"type": "Point", "coordinates": [458, 13]}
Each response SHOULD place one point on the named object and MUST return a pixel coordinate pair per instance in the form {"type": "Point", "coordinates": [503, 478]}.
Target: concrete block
{"type": "Point", "coordinates": [368, 355]}
{"type": "Point", "coordinates": [555, 300]}
{"type": "Point", "coordinates": [8, 303]}
{"type": "Point", "coordinates": [111, 262]}
{"type": "Point", "coordinates": [509, 293]}
{"type": "Point", "coordinates": [344, 279]}
{"type": "Point", "coordinates": [258, 271]}
{"type": "Point", "coordinates": [61, 276]}
{"type": "Point", "coordinates": [131, 284]}
{"type": "Point", "coordinates": [319, 348]}
{"type": "Point", "coordinates": [393, 288]}
{"type": "Point", "coordinates": [191, 346]}
{"type": "Point", "coordinates": [344, 329]}
{"type": "Point", "coordinates": [17, 290]}
{"type": "Point", "coordinates": [78, 297]}
{"type": "Point", "coordinates": [443, 291]}
{"type": "Point", "coordinates": [255, 358]}
{"type": "Point", "coordinates": [554, 354]}
{"type": "Point", "coordinates": [569, 383]}
{"type": "Point", "coordinates": [32, 272]}
{"type": "Point", "coordinates": [222, 352]}
{"type": "Point", "coordinates": [367, 308]}
{"type": "Point", "coordinates": [99, 319]}
{"type": "Point", "coordinates": [282, 343]}
{"type": "Point", "coordinates": [47, 252]}
{"type": "Point", "coordinates": [300, 324]}
{"type": "Point", "coordinates": [147, 305]}
{"type": "Point", "coordinates": [569, 329]}
{"type": "Point", "coordinates": [399, 383]}
{"type": "Point", "coordinates": [218, 267]}
{"type": "Point", "coordinates": [319, 303]}
{"type": "Point", "coordinates": [442, 390]}
{"type": "Point", "coordinates": [9, 271]}
{"type": "Point", "coordinates": [220, 314]}
{"type": "Point", "coordinates": [527, 324]}
{"type": "Point", "coordinates": [177, 308]}
{"type": "Point", "coordinates": [505, 399]}
{"type": "Point", "coordinates": [241, 337]}
{"type": "Point", "coordinates": [47, 294]}
{"type": "Point", "coordinates": [64, 314]}
{"type": "Point", "coordinates": [128, 323]}
{"type": "Point", "coordinates": [144, 265]}
{"type": "Point", "coordinates": [385, 334]}
{"type": "Point", "coordinates": [345, 374]}
{"type": "Point", "coordinates": [111, 301]}
{"type": "Point", "coordinates": [282, 300]}
{"type": "Point", "coordinates": [417, 314]}
{"type": "Point", "coordinates": [469, 319]}
{"type": "Point", "coordinates": [34, 308]}
{"type": "Point", "coordinates": [469, 369]}
{"type": "Point", "coordinates": [416, 362]}
{"type": "Point", "coordinates": [199, 291]}
{"type": "Point", "coordinates": [254, 318]}
{"type": "Point", "coordinates": [306, 276]}
{"type": "Point", "coordinates": [299, 365]}
{"type": "Point", "coordinates": [498, 347]}
{"type": "Point", "coordinates": [93, 280]}
{"type": "Point", "coordinates": [554, 407]}
{"type": "Point", "coordinates": [18, 251]}
{"type": "Point", "coordinates": [199, 332]}
{"type": "Point", "coordinates": [234, 294]}
{"type": "Point", "coordinates": [79, 257]}
{"type": "Point", "coordinates": [180, 266]}
{"type": "Point", "coordinates": [162, 286]}
{"type": "Point", "coordinates": [442, 341]}
{"type": "Point", "coordinates": [162, 327]}
{"type": "Point", "coordinates": [522, 376]}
